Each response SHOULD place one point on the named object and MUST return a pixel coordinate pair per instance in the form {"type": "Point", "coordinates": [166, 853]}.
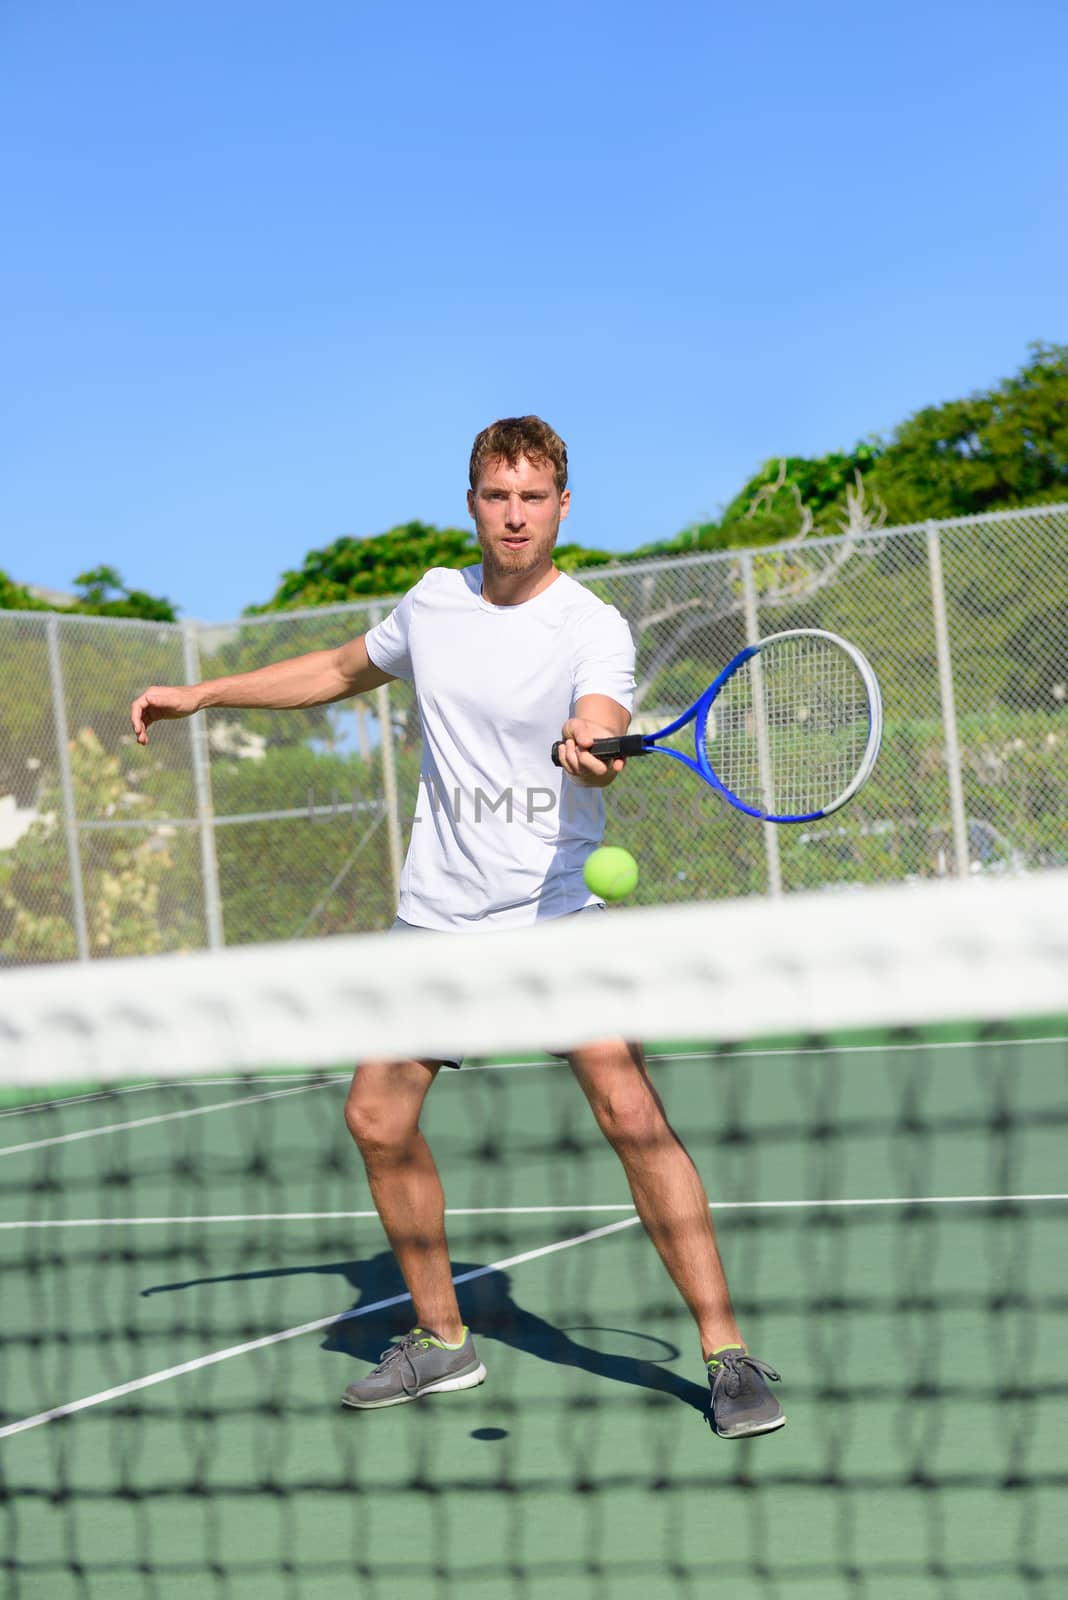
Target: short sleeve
{"type": "Point", "coordinates": [604, 657]}
{"type": "Point", "coordinates": [387, 641]}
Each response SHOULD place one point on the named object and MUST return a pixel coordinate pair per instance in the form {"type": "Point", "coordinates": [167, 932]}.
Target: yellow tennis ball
{"type": "Point", "coordinates": [610, 872]}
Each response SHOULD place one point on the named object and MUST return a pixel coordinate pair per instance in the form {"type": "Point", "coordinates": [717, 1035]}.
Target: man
{"type": "Point", "coordinates": [505, 657]}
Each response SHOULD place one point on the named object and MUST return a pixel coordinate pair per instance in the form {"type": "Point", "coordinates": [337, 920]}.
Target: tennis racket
{"type": "Point", "coordinates": [788, 731]}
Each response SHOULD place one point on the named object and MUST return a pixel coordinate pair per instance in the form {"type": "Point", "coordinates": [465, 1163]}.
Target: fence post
{"type": "Point", "coordinates": [949, 709]}
{"type": "Point", "coordinates": [198, 734]}
{"type": "Point", "coordinates": [389, 778]}
{"type": "Point", "coordinates": [752, 636]}
{"type": "Point", "coordinates": [66, 785]}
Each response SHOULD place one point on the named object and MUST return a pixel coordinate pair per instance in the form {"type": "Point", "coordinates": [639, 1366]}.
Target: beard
{"type": "Point", "coordinates": [498, 559]}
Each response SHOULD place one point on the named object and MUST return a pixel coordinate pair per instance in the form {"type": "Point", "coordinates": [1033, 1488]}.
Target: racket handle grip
{"type": "Point", "coordinates": [631, 744]}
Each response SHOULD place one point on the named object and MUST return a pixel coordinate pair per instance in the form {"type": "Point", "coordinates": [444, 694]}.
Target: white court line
{"type": "Point", "coordinates": [740, 1055]}
{"type": "Point", "coordinates": [183, 1367]}
{"type": "Point", "coordinates": [530, 1211]}
{"type": "Point", "coordinates": [74, 1406]}
{"type": "Point", "coordinates": [148, 1122]}
{"type": "Point", "coordinates": [92, 1095]}
{"type": "Point", "coordinates": [212, 1081]}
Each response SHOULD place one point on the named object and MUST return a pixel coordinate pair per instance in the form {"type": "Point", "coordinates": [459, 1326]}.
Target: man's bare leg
{"type": "Point", "coordinates": [382, 1112]}
{"type": "Point", "coordinates": [668, 1192]}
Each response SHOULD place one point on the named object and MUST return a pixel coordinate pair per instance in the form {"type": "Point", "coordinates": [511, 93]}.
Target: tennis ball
{"type": "Point", "coordinates": [610, 872]}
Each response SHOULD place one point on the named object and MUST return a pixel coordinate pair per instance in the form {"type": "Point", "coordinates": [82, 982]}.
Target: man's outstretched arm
{"type": "Point", "coordinates": [315, 679]}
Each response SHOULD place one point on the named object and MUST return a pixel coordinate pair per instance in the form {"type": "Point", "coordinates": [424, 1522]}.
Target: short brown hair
{"type": "Point", "coordinates": [511, 439]}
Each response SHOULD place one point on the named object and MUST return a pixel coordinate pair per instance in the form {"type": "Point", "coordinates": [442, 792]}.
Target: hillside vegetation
{"type": "Point", "coordinates": [1006, 446]}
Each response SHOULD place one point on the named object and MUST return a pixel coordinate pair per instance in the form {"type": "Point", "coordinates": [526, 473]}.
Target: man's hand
{"type": "Point", "coordinates": [590, 772]}
{"type": "Point", "coordinates": [160, 705]}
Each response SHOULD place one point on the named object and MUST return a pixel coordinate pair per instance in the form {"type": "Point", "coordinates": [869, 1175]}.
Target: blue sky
{"type": "Point", "coordinates": [269, 266]}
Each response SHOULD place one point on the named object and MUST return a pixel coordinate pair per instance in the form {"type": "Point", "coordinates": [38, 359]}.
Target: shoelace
{"type": "Point", "coordinates": [729, 1376]}
{"type": "Point", "coordinates": [397, 1352]}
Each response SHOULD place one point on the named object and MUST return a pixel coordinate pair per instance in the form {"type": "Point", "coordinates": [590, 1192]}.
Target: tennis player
{"type": "Point", "coordinates": [505, 657]}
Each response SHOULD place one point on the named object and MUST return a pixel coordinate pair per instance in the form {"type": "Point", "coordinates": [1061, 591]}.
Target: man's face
{"type": "Point", "coordinates": [517, 513]}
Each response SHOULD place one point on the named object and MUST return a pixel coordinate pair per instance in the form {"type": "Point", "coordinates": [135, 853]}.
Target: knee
{"type": "Point", "coordinates": [375, 1126]}
{"type": "Point", "coordinates": [631, 1117]}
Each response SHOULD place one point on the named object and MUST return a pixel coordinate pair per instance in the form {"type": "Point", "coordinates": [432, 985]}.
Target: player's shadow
{"type": "Point", "coordinates": [490, 1311]}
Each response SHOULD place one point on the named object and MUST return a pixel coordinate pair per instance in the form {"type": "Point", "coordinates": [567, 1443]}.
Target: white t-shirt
{"type": "Point", "coordinates": [500, 835]}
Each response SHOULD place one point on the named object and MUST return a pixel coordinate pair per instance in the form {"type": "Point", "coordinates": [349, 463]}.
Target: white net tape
{"type": "Point", "coordinates": [729, 970]}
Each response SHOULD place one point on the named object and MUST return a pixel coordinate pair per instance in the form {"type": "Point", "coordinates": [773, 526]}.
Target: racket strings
{"type": "Point", "coordinates": [789, 730]}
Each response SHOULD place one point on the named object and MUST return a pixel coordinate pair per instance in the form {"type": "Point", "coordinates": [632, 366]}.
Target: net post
{"type": "Point", "coordinates": [947, 700]}
{"type": "Point", "coordinates": [198, 736]}
{"type": "Point", "coordinates": [752, 636]}
{"type": "Point", "coordinates": [389, 779]}
{"type": "Point", "coordinates": [66, 785]}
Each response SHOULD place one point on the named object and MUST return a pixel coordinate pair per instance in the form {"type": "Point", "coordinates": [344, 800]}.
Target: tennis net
{"type": "Point", "coordinates": [874, 1088]}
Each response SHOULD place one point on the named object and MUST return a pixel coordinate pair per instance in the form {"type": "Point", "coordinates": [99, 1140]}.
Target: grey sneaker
{"type": "Point", "coordinates": [742, 1403]}
{"type": "Point", "coordinates": [420, 1364]}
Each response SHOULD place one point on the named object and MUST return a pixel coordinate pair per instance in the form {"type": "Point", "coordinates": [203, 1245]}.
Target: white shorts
{"type": "Point", "coordinates": [400, 926]}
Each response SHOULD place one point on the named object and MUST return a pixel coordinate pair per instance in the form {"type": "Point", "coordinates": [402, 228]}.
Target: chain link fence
{"type": "Point", "coordinates": [236, 827]}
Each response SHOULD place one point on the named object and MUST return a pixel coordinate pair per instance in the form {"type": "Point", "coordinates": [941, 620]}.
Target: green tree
{"type": "Point", "coordinates": [789, 497]}
{"type": "Point", "coordinates": [14, 597]}
{"type": "Point", "coordinates": [358, 569]}
{"type": "Point", "coordinates": [1003, 447]}
{"type": "Point", "coordinates": [103, 669]}
{"type": "Point", "coordinates": [793, 496]}
{"type": "Point", "coordinates": [580, 557]}
{"type": "Point", "coordinates": [123, 874]}
{"type": "Point", "coordinates": [326, 872]}
{"type": "Point", "coordinates": [389, 563]}
{"type": "Point", "coordinates": [1007, 446]}
{"type": "Point", "coordinates": [100, 592]}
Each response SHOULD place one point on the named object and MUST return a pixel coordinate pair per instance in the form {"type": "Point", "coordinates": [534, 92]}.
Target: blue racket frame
{"type": "Point", "coordinates": [647, 743]}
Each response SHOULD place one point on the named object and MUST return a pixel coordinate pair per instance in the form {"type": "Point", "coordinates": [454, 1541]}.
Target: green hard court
{"type": "Point", "coordinates": [920, 1336]}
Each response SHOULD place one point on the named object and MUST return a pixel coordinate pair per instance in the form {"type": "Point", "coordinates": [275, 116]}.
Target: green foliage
{"type": "Point", "coordinates": [681, 544]}
{"type": "Point", "coordinates": [103, 669]}
{"type": "Point", "coordinates": [579, 558]}
{"type": "Point", "coordinates": [1004, 447]}
{"type": "Point", "coordinates": [325, 872]}
{"type": "Point", "coordinates": [102, 593]}
{"type": "Point", "coordinates": [689, 845]}
{"type": "Point", "coordinates": [13, 597]}
{"type": "Point", "coordinates": [245, 649]}
{"type": "Point", "coordinates": [356, 569]}
{"type": "Point", "coordinates": [1007, 605]}
{"type": "Point", "coordinates": [26, 724]}
{"type": "Point", "coordinates": [122, 875]}
{"type": "Point", "coordinates": [390, 563]}
{"type": "Point", "coordinates": [998, 448]}
{"type": "Point", "coordinates": [1007, 601]}
{"type": "Point", "coordinates": [768, 508]}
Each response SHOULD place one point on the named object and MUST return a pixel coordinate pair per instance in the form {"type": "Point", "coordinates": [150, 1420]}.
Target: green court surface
{"type": "Point", "coordinates": [920, 1337]}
